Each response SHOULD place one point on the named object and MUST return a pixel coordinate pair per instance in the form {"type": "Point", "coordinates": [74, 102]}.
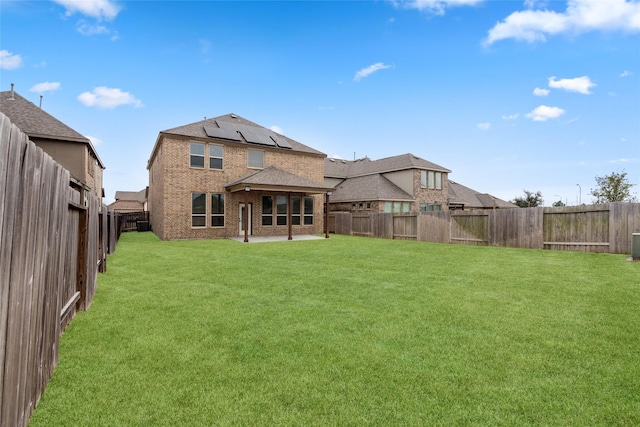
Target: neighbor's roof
{"type": "Point", "coordinates": [368, 188]}
{"type": "Point", "coordinates": [127, 205]}
{"type": "Point", "coordinates": [339, 168]}
{"type": "Point", "coordinates": [274, 179]}
{"type": "Point", "coordinates": [459, 194]}
{"type": "Point", "coordinates": [197, 130]}
{"type": "Point", "coordinates": [37, 123]}
{"type": "Point", "coordinates": [138, 196]}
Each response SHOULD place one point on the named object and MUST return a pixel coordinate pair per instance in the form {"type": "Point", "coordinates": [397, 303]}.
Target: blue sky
{"type": "Point", "coordinates": [509, 95]}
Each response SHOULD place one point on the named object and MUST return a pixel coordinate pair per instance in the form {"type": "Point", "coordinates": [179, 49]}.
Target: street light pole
{"type": "Point", "coordinates": [579, 194]}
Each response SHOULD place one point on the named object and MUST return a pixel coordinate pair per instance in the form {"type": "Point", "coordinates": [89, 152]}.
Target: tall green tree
{"type": "Point", "coordinates": [530, 199]}
{"type": "Point", "coordinates": [613, 188]}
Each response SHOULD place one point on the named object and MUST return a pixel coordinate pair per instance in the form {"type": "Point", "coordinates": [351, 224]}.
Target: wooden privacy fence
{"type": "Point", "coordinates": [54, 237]}
{"type": "Point", "coordinates": [596, 228]}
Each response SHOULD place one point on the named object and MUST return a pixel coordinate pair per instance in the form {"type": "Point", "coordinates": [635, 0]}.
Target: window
{"type": "Point", "coordinates": [423, 179]}
{"type": "Point", "coordinates": [281, 210]}
{"type": "Point", "coordinates": [435, 208]}
{"type": "Point", "coordinates": [255, 159]}
{"type": "Point", "coordinates": [198, 209]}
{"type": "Point", "coordinates": [434, 180]}
{"type": "Point", "coordinates": [295, 210]}
{"type": "Point", "coordinates": [423, 207]}
{"type": "Point", "coordinates": [360, 206]}
{"type": "Point", "coordinates": [217, 210]}
{"type": "Point", "coordinates": [388, 207]}
{"type": "Point", "coordinates": [397, 206]}
{"type": "Point", "coordinates": [368, 206]}
{"type": "Point", "coordinates": [353, 206]}
{"type": "Point", "coordinates": [196, 155]}
{"type": "Point", "coordinates": [267, 210]}
{"type": "Point", "coordinates": [308, 211]}
{"type": "Point", "coordinates": [406, 207]}
{"type": "Point", "coordinates": [215, 157]}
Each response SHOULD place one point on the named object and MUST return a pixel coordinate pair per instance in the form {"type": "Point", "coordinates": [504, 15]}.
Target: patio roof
{"type": "Point", "coordinates": [273, 179]}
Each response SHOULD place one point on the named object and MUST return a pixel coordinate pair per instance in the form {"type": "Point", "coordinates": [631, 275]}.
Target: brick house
{"type": "Point", "coordinates": [130, 201]}
{"type": "Point", "coordinates": [399, 184]}
{"type": "Point", "coordinates": [209, 178]}
{"type": "Point", "coordinates": [71, 149]}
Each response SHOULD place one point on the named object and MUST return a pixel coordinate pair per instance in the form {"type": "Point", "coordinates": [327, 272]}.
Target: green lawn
{"type": "Point", "coordinates": [350, 331]}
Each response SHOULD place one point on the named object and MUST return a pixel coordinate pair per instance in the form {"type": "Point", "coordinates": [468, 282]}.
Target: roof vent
{"type": "Point", "coordinates": [332, 160]}
{"type": "Point", "coordinates": [233, 116]}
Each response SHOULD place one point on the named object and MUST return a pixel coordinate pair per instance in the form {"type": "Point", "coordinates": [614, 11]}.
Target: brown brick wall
{"type": "Point", "coordinates": [172, 181]}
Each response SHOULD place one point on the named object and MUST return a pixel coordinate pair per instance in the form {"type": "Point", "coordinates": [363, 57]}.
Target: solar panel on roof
{"type": "Point", "coordinates": [226, 125]}
{"type": "Point", "coordinates": [257, 138]}
{"type": "Point", "coordinates": [222, 133]}
{"type": "Point", "coordinates": [281, 142]}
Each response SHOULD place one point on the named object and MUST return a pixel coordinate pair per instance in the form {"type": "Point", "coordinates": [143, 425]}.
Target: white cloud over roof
{"type": "Point", "coordinates": [578, 84]}
{"type": "Point", "coordinates": [104, 97]}
{"type": "Point", "coordinates": [99, 9]}
{"type": "Point", "coordinates": [45, 87]}
{"type": "Point", "coordinates": [544, 113]}
{"type": "Point", "coordinates": [9, 61]}
{"type": "Point", "coordinates": [436, 7]}
{"type": "Point", "coordinates": [580, 16]}
{"type": "Point", "coordinates": [365, 72]}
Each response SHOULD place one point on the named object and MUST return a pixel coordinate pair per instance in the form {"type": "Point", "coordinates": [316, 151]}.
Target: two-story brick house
{"type": "Point", "coordinates": [209, 178]}
{"type": "Point", "coordinates": [398, 184]}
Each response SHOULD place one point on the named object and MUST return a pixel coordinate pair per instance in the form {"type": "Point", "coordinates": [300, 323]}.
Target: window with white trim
{"type": "Point", "coordinates": [196, 155]}
{"type": "Point", "coordinates": [215, 156]}
{"type": "Point", "coordinates": [198, 209]}
{"type": "Point", "coordinates": [217, 209]}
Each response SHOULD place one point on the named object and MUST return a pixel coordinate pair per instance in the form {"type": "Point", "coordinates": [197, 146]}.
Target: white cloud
{"type": "Point", "coordinates": [277, 129]}
{"type": "Point", "coordinates": [436, 7]}
{"type": "Point", "coordinates": [544, 113]}
{"type": "Point", "coordinates": [484, 126]}
{"type": "Point", "coordinates": [541, 92]}
{"type": "Point", "coordinates": [626, 73]}
{"type": "Point", "coordinates": [104, 97]}
{"type": "Point", "coordinates": [95, 141]}
{"type": "Point", "coordinates": [580, 16]}
{"type": "Point", "coordinates": [9, 61]}
{"type": "Point", "coordinates": [511, 116]}
{"type": "Point", "coordinates": [623, 160]}
{"type": "Point", "coordinates": [45, 87]}
{"type": "Point", "coordinates": [99, 9]}
{"type": "Point", "coordinates": [365, 72]}
{"type": "Point", "coordinates": [579, 84]}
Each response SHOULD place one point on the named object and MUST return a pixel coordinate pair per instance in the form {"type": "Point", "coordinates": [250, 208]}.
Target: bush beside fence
{"type": "Point", "coordinates": [595, 228]}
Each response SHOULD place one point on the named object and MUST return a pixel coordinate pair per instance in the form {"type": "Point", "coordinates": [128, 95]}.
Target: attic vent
{"type": "Point", "coordinates": [332, 160]}
{"type": "Point", "coordinates": [344, 161]}
{"type": "Point", "coordinates": [233, 116]}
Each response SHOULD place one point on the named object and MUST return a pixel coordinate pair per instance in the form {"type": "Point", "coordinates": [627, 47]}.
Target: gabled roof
{"type": "Point", "coordinates": [127, 205]}
{"type": "Point", "coordinates": [274, 179]}
{"type": "Point", "coordinates": [137, 196]}
{"type": "Point", "coordinates": [368, 188]}
{"type": "Point", "coordinates": [461, 195]}
{"type": "Point", "coordinates": [338, 168]}
{"type": "Point", "coordinates": [37, 123]}
{"type": "Point", "coordinates": [197, 130]}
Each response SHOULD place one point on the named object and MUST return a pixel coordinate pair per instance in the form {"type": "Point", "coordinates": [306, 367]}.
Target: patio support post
{"type": "Point", "coordinates": [289, 205]}
{"type": "Point", "coordinates": [326, 216]}
{"type": "Point", "coordinates": [245, 214]}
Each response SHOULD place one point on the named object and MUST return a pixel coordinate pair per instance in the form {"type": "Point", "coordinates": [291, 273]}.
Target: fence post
{"type": "Point", "coordinates": [83, 243]}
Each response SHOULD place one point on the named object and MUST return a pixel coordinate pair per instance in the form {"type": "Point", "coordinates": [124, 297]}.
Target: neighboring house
{"type": "Point", "coordinates": [203, 175]}
{"type": "Point", "coordinates": [464, 198]}
{"type": "Point", "coordinates": [66, 146]}
{"type": "Point", "coordinates": [399, 184]}
{"type": "Point", "coordinates": [130, 201]}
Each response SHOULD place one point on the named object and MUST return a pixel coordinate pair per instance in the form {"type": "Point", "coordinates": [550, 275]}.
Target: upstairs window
{"type": "Point", "coordinates": [255, 159]}
{"type": "Point", "coordinates": [196, 155]}
{"type": "Point", "coordinates": [423, 179]}
{"type": "Point", "coordinates": [215, 156]}
{"type": "Point", "coordinates": [434, 180]}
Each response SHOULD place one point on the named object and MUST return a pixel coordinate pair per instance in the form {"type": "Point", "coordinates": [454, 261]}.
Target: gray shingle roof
{"type": "Point", "coordinates": [338, 168]}
{"type": "Point", "coordinates": [459, 194]}
{"type": "Point", "coordinates": [36, 122]}
{"type": "Point", "coordinates": [368, 188]}
{"type": "Point", "coordinates": [275, 178]}
{"type": "Point", "coordinates": [196, 129]}
{"type": "Point", "coordinates": [138, 196]}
